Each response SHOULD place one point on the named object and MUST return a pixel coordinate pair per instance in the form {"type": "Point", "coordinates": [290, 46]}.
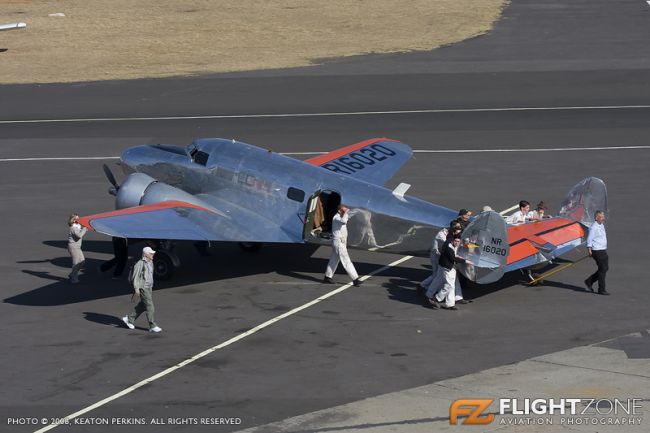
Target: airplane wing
{"type": "Point", "coordinates": [178, 220]}
{"type": "Point", "coordinates": [374, 161]}
{"type": "Point", "coordinates": [541, 241]}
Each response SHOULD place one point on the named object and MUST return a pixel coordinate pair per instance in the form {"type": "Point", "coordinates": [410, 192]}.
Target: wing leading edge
{"type": "Point", "coordinates": [374, 161]}
{"type": "Point", "coordinates": [164, 220]}
{"type": "Point", "coordinates": [179, 220]}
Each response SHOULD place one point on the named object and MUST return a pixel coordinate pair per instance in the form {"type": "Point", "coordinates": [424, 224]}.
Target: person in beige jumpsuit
{"type": "Point", "coordinates": [75, 235]}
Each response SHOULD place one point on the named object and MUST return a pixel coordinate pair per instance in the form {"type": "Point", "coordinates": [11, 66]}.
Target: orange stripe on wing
{"type": "Point", "coordinates": [322, 159]}
{"type": "Point", "coordinates": [86, 220]}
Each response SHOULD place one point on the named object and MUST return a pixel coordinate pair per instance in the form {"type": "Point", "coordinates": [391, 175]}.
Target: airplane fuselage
{"type": "Point", "coordinates": [265, 189]}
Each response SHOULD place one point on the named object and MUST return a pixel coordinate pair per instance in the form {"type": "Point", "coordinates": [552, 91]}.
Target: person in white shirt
{"type": "Point", "coordinates": [434, 255]}
{"type": "Point", "coordinates": [522, 215]}
{"type": "Point", "coordinates": [448, 260]}
{"type": "Point", "coordinates": [597, 247]}
{"type": "Point", "coordinates": [339, 248]}
{"type": "Point", "coordinates": [74, 247]}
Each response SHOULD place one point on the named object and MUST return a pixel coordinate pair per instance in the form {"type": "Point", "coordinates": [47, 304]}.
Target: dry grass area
{"type": "Point", "coordinates": [125, 39]}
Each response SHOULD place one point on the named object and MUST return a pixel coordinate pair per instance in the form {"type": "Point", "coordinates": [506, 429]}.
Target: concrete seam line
{"type": "Point", "coordinates": [586, 368]}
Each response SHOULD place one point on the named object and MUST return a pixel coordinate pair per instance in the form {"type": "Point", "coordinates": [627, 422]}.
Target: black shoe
{"type": "Point", "coordinates": [328, 280]}
{"type": "Point", "coordinates": [464, 301]}
{"type": "Point", "coordinates": [433, 303]}
{"type": "Point", "coordinates": [589, 288]}
{"type": "Point", "coordinates": [356, 283]}
{"type": "Point", "coordinates": [448, 308]}
{"type": "Point", "coordinates": [603, 292]}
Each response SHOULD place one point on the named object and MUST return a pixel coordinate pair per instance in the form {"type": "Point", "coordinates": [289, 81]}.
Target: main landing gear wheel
{"type": "Point", "coordinates": [163, 266]}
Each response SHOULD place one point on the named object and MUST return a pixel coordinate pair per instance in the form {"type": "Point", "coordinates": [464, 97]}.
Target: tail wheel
{"type": "Point", "coordinates": [163, 267]}
{"type": "Point", "coordinates": [250, 247]}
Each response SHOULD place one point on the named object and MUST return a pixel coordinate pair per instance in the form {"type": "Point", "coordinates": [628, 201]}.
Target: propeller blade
{"type": "Point", "coordinates": [109, 176]}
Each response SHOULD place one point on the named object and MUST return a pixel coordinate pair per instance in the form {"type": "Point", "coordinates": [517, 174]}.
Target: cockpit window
{"type": "Point", "coordinates": [199, 157]}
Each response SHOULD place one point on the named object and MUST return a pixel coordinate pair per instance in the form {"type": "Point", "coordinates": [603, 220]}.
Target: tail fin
{"type": "Point", "coordinates": [485, 248]}
{"type": "Point", "coordinates": [583, 200]}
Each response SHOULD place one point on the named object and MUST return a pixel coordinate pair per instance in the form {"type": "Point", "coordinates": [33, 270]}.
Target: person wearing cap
{"type": "Point", "coordinates": [522, 215]}
{"type": "Point", "coordinates": [143, 288]}
{"type": "Point", "coordinates": [75, 234]}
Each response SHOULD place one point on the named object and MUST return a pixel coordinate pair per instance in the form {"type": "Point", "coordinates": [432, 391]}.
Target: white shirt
{"type": "Point", "coordinates": [519, 217]}
{"type": "Point", "coordinates": [597, 238]}
{"type": "Point", "coordinates": [148, 274]}
{"type": "Point", "coordinates": [439, 241]}
{"type": "Point", "coordinates": [339, 227]}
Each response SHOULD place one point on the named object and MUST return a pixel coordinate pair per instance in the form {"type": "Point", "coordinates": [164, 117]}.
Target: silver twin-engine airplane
{"type": "Point", "coordinates": [12, 26]}
{"type": "Point", "coordinates": [225, 190]}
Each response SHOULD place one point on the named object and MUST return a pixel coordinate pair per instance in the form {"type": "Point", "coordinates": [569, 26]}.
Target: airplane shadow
{"type": "Point", "coordinates": [226, 261]}
{"type": "Point", "coordinates": [92, 246]}
{"type": "Point", "coordinates": [405, 290]}
{"type": "Point", "coordinates": [564, 286]}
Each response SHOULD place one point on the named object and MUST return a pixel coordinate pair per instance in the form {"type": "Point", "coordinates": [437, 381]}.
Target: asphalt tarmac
{"type": "Point", "coordinates": [64, 349]}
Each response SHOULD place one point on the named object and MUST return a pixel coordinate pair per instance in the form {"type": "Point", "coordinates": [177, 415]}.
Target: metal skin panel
{"type": "Point", "coordinates": [249, 185]}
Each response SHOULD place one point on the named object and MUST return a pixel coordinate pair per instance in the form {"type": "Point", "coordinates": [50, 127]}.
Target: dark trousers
{"type": "Point", "coordinates": [602, 261]}
{"type": "Point", "coordinates": [121, 251]}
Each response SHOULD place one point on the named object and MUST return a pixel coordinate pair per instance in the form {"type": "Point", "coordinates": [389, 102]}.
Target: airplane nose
{"type": "Point", "coordinates": [130, 159]}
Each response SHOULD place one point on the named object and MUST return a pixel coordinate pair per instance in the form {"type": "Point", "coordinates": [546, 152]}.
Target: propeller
{"type": "Point", "coordinates": [109, 175]}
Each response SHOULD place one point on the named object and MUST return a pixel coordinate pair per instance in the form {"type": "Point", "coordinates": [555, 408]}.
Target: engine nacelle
{"type": "Point", "coordinates": [133, 190]}
{"type": "Point", "coordinates": [141, 189]}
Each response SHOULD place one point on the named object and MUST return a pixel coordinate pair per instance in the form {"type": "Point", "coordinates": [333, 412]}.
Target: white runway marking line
{"type": "Point", "coordinates": [222, 345]}
{"type": "Point", "coordinates": [424, 151]}
{"type": "Point", "coordinates": [331, 114]}
{"type": "Point", "coordinates": [72, 158]}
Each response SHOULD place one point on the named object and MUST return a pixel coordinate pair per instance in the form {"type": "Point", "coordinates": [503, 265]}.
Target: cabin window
{"type": "Point", "coordinates": [296, 194]}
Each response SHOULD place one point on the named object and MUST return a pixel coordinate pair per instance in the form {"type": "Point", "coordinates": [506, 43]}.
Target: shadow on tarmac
{"type": "Point", "coordinates": [103, 319]}
{"type": "Point", "coordinates": [227, 261]}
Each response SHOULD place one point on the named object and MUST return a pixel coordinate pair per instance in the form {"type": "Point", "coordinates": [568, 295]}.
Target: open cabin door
{"type": "Point", "coordinates": [321, 208]}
